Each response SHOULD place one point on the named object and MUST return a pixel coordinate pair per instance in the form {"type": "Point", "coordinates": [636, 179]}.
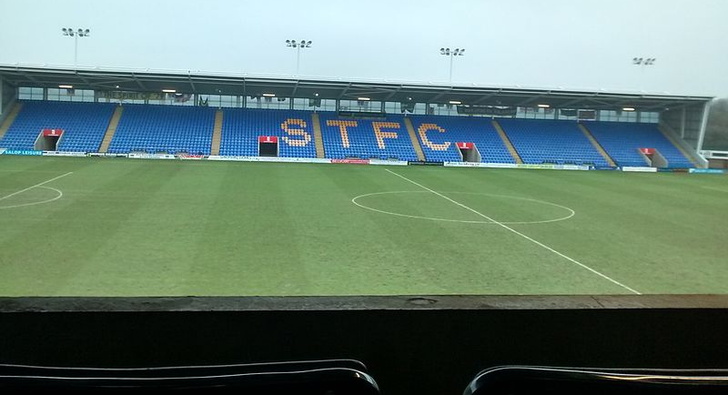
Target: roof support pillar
{"type": "Point", "coordinates": [704, 125]}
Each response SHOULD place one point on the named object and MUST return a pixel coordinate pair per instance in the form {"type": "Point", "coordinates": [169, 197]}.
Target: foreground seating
{"type": "Point", "coordinates": [296, 377]}
{"type": "Point", "coordinates": [534, 380]}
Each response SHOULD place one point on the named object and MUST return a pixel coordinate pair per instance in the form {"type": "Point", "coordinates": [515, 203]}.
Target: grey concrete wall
{"type": "Point", "coordinates": [7, 95]}
{"type": "Point", "coordinates": [716, 132]}
{"type": "Point", "coordinates": [686, 123]}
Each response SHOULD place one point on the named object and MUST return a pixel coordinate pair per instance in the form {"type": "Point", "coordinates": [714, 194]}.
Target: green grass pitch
{"type": "Point", "coordinates": [121, 227]}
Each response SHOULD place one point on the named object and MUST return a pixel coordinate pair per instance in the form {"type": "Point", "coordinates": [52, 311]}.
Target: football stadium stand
{"type": "Point", "coordinates": [438, 136]}
{"type": "Point", "coordinates": [160, 128]}
{"type": "Point", "coordinates": [178, 129]}
{"type": "Point", "coordinates": [241, 129]}
{"type": "Point", "coordinates": [623, 141]}
{"type": "Point", "coordinates": [83, 125]}
{"type": "Point", "coordinates": [384, 138]}
{"type": "Point", "coordinates": [547, 141]}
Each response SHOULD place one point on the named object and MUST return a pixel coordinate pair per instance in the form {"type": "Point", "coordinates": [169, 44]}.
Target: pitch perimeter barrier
{"type": "Point", "coordinates": [378, 162]}
{"type": "Point", "coordinates": [21, 152]}
{"type": "Point", "coordinates": [191, 157]}
{"type": "Point", "coordinates": [267, 159]}
{"type": "Point", "coordinates": [106, 155]}
{"type": "Point", "coordinates": [382, 162]}
{"type": "Point", "coordinates": [544, 166]}
{"type": "Point", "coordinates": [135, 155]}
{"type": "Point", "coordinates": [64, 153]}
{"type": "Point", "coordinates": [639, 169]}
{"type": "Point", "coordinates": [351, 161]}
{"type": "Point", "coordinates": [707, 171]}
{"type": "Point", "coordinates": [424, 163]}
{"type": "Point", "coordinates": [481, 164]}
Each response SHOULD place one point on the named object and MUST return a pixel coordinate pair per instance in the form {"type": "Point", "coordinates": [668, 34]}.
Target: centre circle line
{"type": "Point", "coordinates": [60, 195]}
{"type": "Point", "coordinates": [518, 233]}
{"type": "Point", "coordinates": [571, 211]}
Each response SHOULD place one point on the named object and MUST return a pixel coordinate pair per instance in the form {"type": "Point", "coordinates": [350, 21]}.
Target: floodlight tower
{"type": "Point", "coordinates": [643, 63]}
{"type": "Point", "coordinates": [452, 54]}
{"type": "Point", "coordinates": [298, 45]}
{"type": "Point", "coordinates": [80, 32]}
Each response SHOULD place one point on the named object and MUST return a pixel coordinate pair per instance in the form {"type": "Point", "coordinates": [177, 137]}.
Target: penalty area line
{"type": "Point", "coordinates": [35, 186]}
{"type": "Point", "coordinates": [508, 228]}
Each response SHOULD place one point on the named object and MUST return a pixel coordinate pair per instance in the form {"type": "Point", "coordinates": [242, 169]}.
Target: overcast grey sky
{"type": "Point", "coordinates": [568, 44]}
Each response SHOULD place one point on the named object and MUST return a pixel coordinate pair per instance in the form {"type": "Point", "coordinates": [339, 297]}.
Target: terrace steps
{"type": "Point", "coordinates": [414, 139]}
{"type": "Point", "coordinates": [318, 136]}
{"type": "Point", "coordinates": [10, 118]}
{"type": "Point", "coordinates": [670, 137]}
{"type": "Point", "coordinates": [111, 129]}
{"type": "Point", "coordinates": [507, 142]}
{"type": "Point", "coordinates": [596, 145]}
{"type": "Point", "coordinates": [217, 133]}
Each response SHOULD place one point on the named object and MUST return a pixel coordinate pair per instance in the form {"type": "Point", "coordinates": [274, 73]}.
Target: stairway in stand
{"type": "Point", "coordinates": [113, 123]}
{"type": "Point", "coordinates": [414, 139]}
{"type": "Point", "coordinates": [10, 119]}
{"type": "Point", "coordinates": [217, 133]}
{"type": "Point", "coordinates": [507, 142]}
{"type": "Point", "coordinates": [317, 136]}
{"type": "Point", "coordinates": [597, 146]}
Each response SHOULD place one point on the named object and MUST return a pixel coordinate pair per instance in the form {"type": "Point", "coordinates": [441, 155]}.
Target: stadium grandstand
{"type": "Point", "coordinates": [189, 114]}
{"type": "Point", "coordinates": [119, 268]}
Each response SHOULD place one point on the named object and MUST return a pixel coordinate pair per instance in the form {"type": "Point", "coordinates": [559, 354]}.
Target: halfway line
{"type": "Point", "coordinates": [35, 186]}
{"type": "Point", "coordinates": [518, 233]}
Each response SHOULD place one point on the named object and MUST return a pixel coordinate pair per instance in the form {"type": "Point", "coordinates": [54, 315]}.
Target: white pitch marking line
{"type": "Point", "coordinates": [508, 228]}
{"type": "Point", "coordinates": [546, 221]}
{"type": "Point", "coordinates": [60, 195]}
{"type": "Point", "coordinates": [35, 186]}
{"type": "Point", "coordinates": [715, 189]}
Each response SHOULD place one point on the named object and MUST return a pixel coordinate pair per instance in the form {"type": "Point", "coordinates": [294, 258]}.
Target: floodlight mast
{"type": "Point", "coordinates": [642, 63]}
{"type": "Point", "coordinates": [80, 32]}
{"type": "Point", "coordinates": [452, 54]}
{"type": "Point", "coordinates": [298, 45]}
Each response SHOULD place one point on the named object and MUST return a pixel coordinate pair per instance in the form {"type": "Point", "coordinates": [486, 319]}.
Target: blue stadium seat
{"type": "Point", "coordinates": [242, 127]}
{"type": "Point", "coordinates": [162, 128]}
{"type": "Point", "coordinates": [185, 129]}
{"type": "Point", "coordinates": [550, 141]}
{"type": "Point", "coordinates": [84, 125]}
{"type": "Point", "coordinates": [440, 144]}
{"type": "Point", "coordinates": [357, 138]}
{"type": "Point", "coordinates": [622, 141]}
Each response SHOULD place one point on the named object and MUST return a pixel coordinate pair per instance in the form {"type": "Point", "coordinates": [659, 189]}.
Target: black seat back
{"type": "Point", "coordinates": [320, 377]}
{"type": "Point", "coordinates": [534, 380]}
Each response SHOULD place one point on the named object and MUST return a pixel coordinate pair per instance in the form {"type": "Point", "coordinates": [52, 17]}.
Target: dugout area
{"type": "Point", "coordinates": [411, 345]}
